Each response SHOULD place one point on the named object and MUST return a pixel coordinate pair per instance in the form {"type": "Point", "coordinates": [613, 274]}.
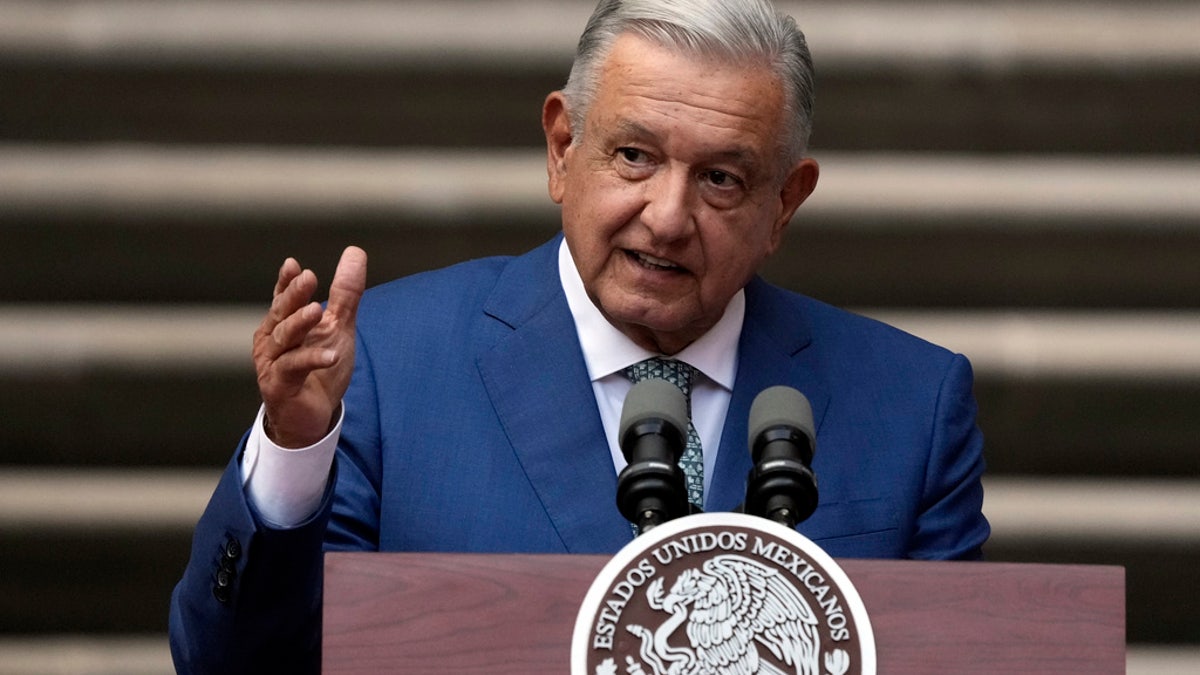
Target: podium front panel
{"type": "Point", "coordinates": [515, 614]}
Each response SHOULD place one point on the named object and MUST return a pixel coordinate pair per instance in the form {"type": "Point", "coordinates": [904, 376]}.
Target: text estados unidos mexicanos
{"type": "Point", "coordinates": [637, 576]}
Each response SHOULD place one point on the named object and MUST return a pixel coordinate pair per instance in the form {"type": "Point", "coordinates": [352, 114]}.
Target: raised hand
{"type": "Point", "coordinates": [304, 355]}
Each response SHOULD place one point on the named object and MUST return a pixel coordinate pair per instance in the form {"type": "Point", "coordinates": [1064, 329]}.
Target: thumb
{"type": "Point", "coordinates": [349, 282]}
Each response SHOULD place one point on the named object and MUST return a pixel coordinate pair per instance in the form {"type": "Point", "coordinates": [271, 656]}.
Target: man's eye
{"type": "Point", "coordinates": [721, 179]}
{"type": "Point", "coordinates": [632, 155]}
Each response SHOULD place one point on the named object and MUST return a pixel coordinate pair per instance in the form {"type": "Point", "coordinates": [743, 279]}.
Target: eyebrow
{"type": "Point", "coordinates": [631, 128]}
{"type": "Point", "coordinates": [739, 154]}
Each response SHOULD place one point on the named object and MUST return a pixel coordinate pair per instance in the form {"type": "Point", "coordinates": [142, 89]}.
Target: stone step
{"type": "Point", "coordinates": [867, 190]}
{"type": "Point", "coordinates": [998, 77]}
{"type": "Point", "coordinates": [98, 551]}
{"type": "Point", "coordinates": [57, 339]}
{"type": "Point", "coordinates": [1020, 509]}
{"type": "Point", "coordinates": [211, 224]}
{"type": "Point", "coordinates": [194, 418]}
{"type": "Point", "coordinates": [1060, 393]}
{"type": "Point", "coordinates": [92, 654]}
{"type": "Point", "coordinates": [920, 34]}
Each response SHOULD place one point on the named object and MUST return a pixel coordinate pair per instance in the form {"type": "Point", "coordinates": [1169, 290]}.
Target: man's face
{"type": "Point", "coordinates": [675, 195]}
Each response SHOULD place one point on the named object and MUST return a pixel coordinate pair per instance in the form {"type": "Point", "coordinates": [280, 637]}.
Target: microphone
{"type": "Point", "coordinates": [651, 490]}
{"type": "Point", "coordinates": [781, 486]}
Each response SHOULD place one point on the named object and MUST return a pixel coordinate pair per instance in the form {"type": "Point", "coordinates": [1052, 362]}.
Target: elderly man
{"type": "Point", "coordinates": [475, 408]}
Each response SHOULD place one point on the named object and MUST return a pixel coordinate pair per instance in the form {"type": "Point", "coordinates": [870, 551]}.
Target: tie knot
{"type": "Point", "coordinates": [676, 372]}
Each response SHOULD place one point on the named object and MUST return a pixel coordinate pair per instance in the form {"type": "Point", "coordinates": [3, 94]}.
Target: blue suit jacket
{"type": "Point", "coordinates": [471, 426]}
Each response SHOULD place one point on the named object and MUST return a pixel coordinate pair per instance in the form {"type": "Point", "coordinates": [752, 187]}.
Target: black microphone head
{"type": "Point", "coordinates": [654, 399]}
{"type": "Point", "coordinates": [654, 421]}
{"type": "Point", "coordinates": [781, 486]}
{"type": "Point", "coordinates": [781, 406]}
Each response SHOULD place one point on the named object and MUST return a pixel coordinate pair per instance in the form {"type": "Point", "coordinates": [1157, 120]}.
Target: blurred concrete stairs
{"type": "Point", "coordinates": [1018, 181]}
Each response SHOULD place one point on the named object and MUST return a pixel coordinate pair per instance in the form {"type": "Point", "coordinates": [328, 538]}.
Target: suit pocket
{"type": "Point", "coordinates": [867, 528]}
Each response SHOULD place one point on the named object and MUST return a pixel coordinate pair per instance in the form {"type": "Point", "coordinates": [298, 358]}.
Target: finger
{"type": "Point", "coordinates": [289, 270]}
{"type": "Point", "coordinates": [349, 282]}
{"type": "Point", "coordinates": [292, 331]}
{"type": "Point", "coordinates": [298, 292]}
{"type": "Point", "coordinates": [292, 314]}
{"type": "Point", "coordinates": [293, 367]}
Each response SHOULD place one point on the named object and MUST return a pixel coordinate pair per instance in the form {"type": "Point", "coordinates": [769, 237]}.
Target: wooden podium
{"type": "Point", "coordinates": [500, 614]}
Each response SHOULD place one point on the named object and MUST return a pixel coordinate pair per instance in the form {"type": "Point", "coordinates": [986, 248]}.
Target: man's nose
{"type": "Point", "coordinates": [668, 210]}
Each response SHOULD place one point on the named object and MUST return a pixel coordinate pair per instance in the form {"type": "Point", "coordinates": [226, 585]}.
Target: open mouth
{"type": "Point", "coordinates": [652, 263]}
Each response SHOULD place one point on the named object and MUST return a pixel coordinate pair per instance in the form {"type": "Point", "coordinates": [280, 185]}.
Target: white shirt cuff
{"type": "Point", "coordinates": [285, 486]}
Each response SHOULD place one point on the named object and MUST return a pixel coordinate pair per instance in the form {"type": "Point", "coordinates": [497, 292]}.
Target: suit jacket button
{"type": "Point", "coordinates": [223, 585]}
{"type": "Point", "coordinates": [233, 549]}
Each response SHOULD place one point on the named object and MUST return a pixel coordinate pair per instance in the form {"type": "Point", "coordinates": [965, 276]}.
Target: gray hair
{"type": "Point", "coordinates": [739, 30]}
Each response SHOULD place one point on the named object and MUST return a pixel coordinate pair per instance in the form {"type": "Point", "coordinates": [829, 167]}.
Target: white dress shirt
{"type": "Point", "coordinates": [286, 485]}
{"type": "Point", "coordinates": [607, 352]}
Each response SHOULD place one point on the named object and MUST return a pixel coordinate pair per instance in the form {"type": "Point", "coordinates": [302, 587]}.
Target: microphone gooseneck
{"type": "Point", "coordinates": [781, 486]}
{"type": "Point", "coordinates": [651, 489]}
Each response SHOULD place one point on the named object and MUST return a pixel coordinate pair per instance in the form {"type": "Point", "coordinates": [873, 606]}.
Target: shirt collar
{"type": "Point", "coordinates": [607, 350]}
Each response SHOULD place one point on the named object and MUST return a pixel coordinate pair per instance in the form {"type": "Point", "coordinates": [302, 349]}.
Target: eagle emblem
{"type": "Point", "coordinates": [739, 617]}
{"type": "Point", "coordinates": [722, 594]}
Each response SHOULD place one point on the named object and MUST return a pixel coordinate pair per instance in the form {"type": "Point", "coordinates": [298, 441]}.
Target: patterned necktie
{"type": "Point", "coordinates": [681, 375]}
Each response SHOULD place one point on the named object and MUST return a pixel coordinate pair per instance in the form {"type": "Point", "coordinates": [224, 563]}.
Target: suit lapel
{"type": "Point", "coordinates": [774, 349]}
{"type": "Point", "coordinates": [538, 383]}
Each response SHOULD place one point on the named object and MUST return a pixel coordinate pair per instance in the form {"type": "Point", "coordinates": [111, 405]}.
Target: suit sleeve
{"type": "Point", "coordinates": [250, 597]}
{"type": "Point", "coordinates": [951, 524]}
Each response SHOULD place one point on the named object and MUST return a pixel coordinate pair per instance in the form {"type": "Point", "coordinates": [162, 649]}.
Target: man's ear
{"type": "Point", "coordinates": [557, 126]}
{"type": "Point", "coordinates": [798, 185]}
